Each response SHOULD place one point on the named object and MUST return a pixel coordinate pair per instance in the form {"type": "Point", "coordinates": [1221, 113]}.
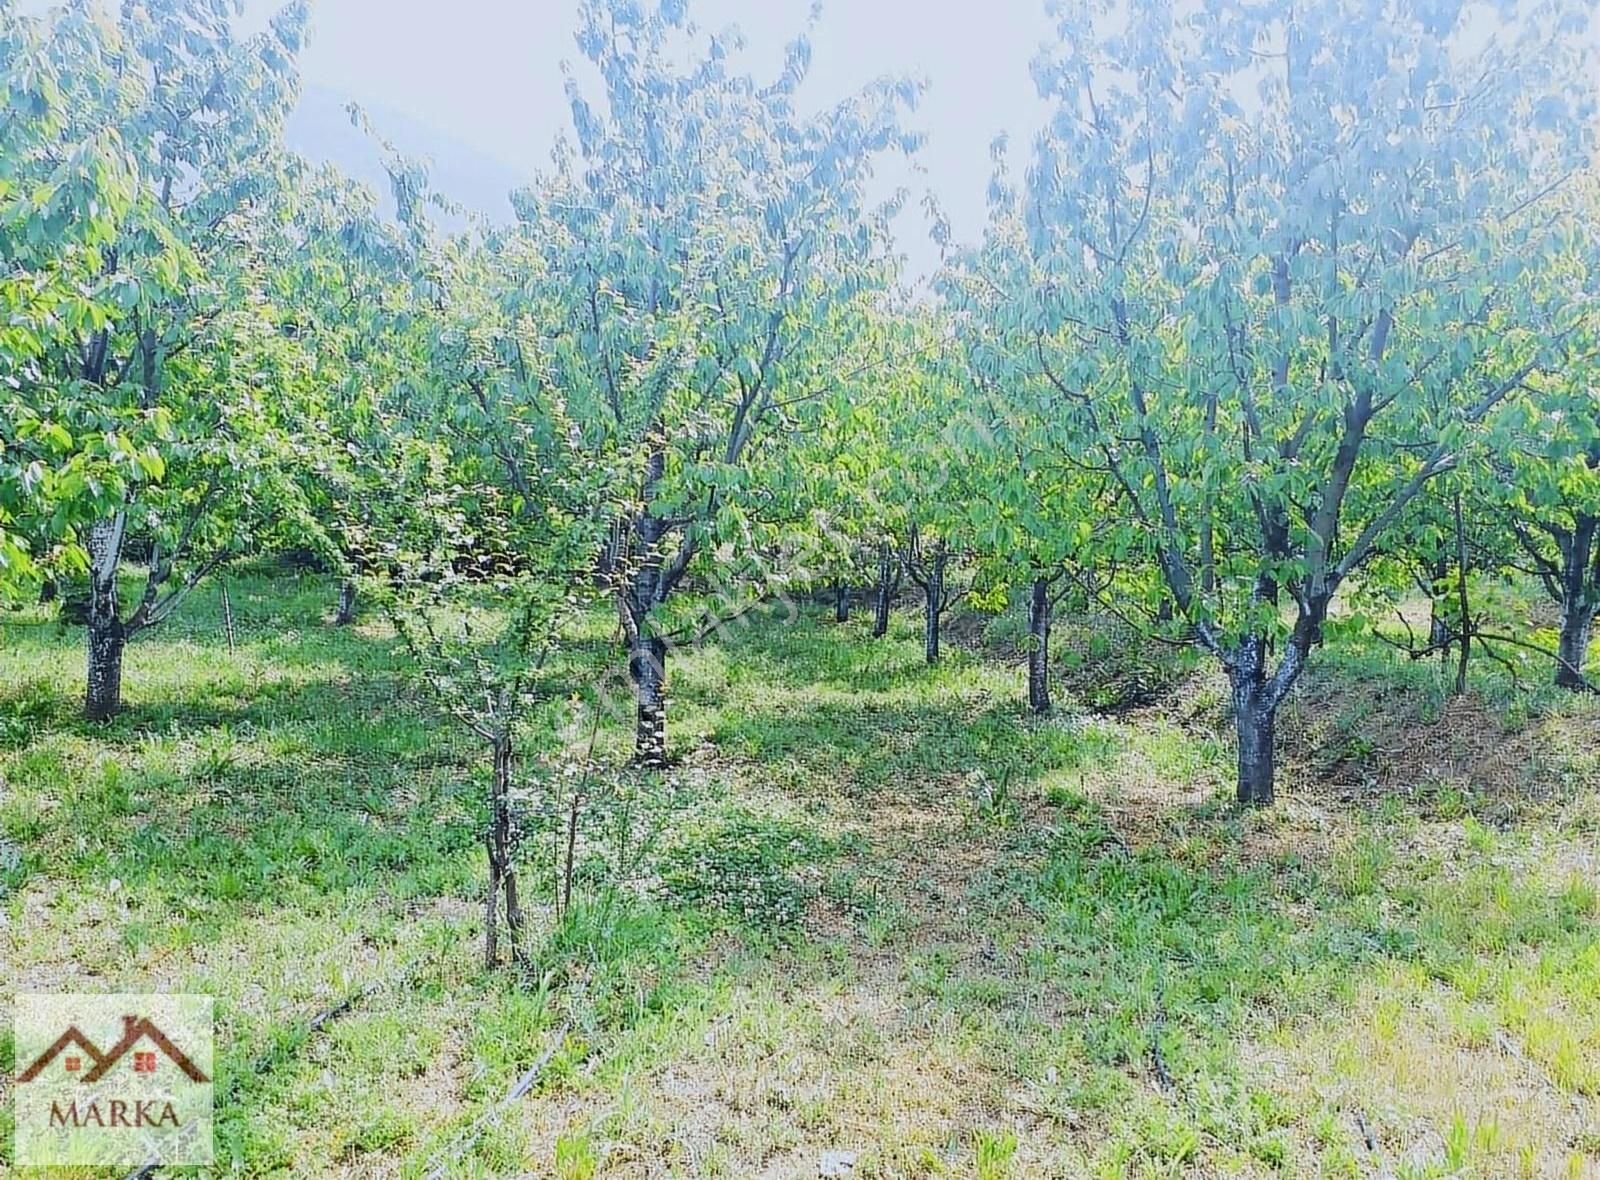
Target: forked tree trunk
{"type": "Point", "coordinates": [1039, 609]}
{"type": "Point", "coordinates": [841, 603]}
{"type": "Point", "coordinates": [933, 596]}
{"type": "Point", "coordinates": [347, 604]}
{"type": "Point", "coordinates": [647, 667]}
{"type": "Point", "coordinates": [107, 638]}
{"type": "Point", "coordinates": [885, 595]}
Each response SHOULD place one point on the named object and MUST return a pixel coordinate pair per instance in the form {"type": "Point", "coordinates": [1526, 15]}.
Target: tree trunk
{"type": "Point", "coordinates": [346, 613]}
{"type": "Point", "coordinates": [107, 638]}
{"type": "Point", "coordinates": [1575, 591]}
{"type": "Point", "coordinates": [647, 666]}
{"type": "Point", "coordinates": [502, 868]}
{"type": "Point", "coordinates": [933, 594]}
{"type": "Point", "coordinates": [1439, 635]}
{"type": "Point", "coordinates": [1256, 725]}
{"type": "Point", "coordinates": [103, 696]}
{"type": "Point", "coordinates": [649, 582]}
{"type": "Point", "coordinates": [841, 603]}
{"type": "Point", "coordinates": [1463, 604]}
{"type": "Point", "coordinates": [1039, 608]}
{"type": "Point", "coordinates": [885, 596]}
{"type": "Point", "coordinates": [1255, 720]}
{"type": "Point", "coordinates": [1577, 621]}
{"type": "Point", "coordinates": [347, 604]}
{"type": "Point", "coordinates": [491, 909]}
{"type": "Point", "coordinates": [569, 856]}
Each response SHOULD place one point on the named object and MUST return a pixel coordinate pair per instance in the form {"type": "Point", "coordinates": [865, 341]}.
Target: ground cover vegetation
{"type": "Point", "coordinates": [436, 639]}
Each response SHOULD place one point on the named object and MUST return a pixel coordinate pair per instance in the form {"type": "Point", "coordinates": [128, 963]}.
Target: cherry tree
{"type": "Point", "coordinates": [692, 255]}
{"type": "Point", "coordinates": [1293, 270]}
{"type": "Point", "coordinates": [149, 147]}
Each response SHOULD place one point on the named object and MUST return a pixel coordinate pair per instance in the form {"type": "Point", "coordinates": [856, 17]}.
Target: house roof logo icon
{"type": "Point", "coordinates": [134, 1030]}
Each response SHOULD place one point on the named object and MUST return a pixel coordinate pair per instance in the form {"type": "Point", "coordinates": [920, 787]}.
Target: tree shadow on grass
{"type": "Point", "coordinates": [306, 761]}
{"type": "Point", "coordinates": [311, 786]}
{"type": "Point", "coordinates": [809, 650]}
{"type": "Point", "coordinates": [819, 706]}
{"type": "Point", "coordinates": [914, 750]}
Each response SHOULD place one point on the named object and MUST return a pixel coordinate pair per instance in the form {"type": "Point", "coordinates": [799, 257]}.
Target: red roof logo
{"type": "Point", "coordinates": [153, 1044]}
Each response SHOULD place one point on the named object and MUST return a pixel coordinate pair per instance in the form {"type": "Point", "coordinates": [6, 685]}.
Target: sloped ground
{"type": "Point", "coordinates": [877, 918]}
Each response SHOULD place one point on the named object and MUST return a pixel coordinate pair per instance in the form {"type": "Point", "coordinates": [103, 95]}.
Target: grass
{"type": "Point", "coordinates": [875, 910]}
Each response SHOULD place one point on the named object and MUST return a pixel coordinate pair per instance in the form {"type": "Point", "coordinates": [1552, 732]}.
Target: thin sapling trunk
{"type": "Point", "coordinates": [933, 604]}
{"type": "Point", "coordinates": [502, 869]}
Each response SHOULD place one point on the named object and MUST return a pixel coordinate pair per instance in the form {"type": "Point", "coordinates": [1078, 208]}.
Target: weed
{"type": "Point", "coordinates": [746, 866]}
{"type": "Point", "coordinates": [994, 1151]}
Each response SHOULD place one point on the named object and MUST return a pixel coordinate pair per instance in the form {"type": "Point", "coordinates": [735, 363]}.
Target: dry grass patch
{"type": "Point", "coordinates": [1442, 1087]}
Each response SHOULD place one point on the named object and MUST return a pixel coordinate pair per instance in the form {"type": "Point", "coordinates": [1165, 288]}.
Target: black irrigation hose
{"type": "Point", "coordinates": [265, 1060]}
{"type": "Point", "coordinates": [465, 1141]}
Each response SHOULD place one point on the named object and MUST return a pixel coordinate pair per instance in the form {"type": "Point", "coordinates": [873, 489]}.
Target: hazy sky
{"type": "Point", "coordinates": [480, 81]}
{"type": "Point", "coordinates": [486, 73]}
